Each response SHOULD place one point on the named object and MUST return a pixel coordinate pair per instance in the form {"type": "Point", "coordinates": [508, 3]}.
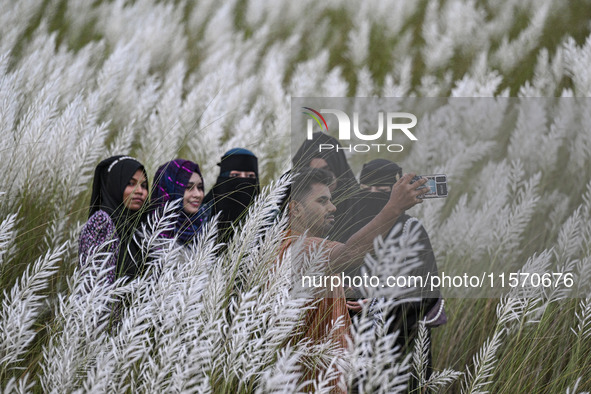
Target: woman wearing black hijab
{"type": "Point", "coordinates": [119, 191]}
{"type": "Point", "coordinates": [345, 187]}
{"type": "Point", "coordinates": [377, 179]}
{"type": "Point", "coordinates": [235, 189]}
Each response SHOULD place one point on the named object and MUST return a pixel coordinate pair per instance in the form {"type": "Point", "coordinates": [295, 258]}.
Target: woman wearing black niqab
{"type": "Point", "coordinates": [343, 194]}
{"type": "Point", "coordinates": [377, 179]}
{"type": "Point", "coordinates": [235, 189]}
{"type": "Point", "coordinates": [119, 191]}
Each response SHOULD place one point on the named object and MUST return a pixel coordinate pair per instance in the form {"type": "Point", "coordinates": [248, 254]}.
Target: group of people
{"type": "Point", "coordinates": [119, 204]}
{"type": "Point", "coordinates": [327, 205]}
{"type": "Point", "coordinates": [344, 215]}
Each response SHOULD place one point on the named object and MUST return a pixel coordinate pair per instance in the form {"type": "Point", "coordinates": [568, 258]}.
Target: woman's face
{"type": "Point", "coordinates": [193, 194]}
{"type": "Point", "coordinates": [136, 192]}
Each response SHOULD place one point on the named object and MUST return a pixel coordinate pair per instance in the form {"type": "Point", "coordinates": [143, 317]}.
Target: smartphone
{"type": "Point", "coordinates": [436, 185]}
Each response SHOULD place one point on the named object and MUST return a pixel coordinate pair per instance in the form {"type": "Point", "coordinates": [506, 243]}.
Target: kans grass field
{"type": "Point", "coordinates": [83, 79]}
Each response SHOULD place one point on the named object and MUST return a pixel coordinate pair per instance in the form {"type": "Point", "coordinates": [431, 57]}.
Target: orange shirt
{"type": "Point", "coordinates": [331, 306]}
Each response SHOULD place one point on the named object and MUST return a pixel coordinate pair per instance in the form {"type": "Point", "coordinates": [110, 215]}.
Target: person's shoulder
{"type": "Point", "coordinates": [411, 222]}
{"type": "Point", "coordinates": [99, 221]}
{"type": "Point", "coordinates": [402, 223]}
{"type": "Point", "coordinates": [100, 217]}
{"type": "Point", "coordinates": [320, 243]}
{"type": "Point", "coordinates": [307, 241]}
{"type": "Point", "coordinates": [404, 217]}
{"type": "Point", "coordinates": [414, 224]}
{"type": "Point", "coordinates": [99, 231]}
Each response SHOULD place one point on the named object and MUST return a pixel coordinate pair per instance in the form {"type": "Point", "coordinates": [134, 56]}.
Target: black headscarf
{"type": "Point", "coordinates": [378, 172]}
{"type": "Point", "coordinates": [381, 172]}
{"type": "Point", "coordinates": [347, 186]}
{"type": "Point", "coordinates": [111, 177]}
{"type": "Point", "coordinates": [231, 197]}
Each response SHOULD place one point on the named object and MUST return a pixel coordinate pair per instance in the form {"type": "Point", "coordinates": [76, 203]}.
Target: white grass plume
{"type": "Point", "coordinates": [14, 21]}
{"type": "Point", "coordinates": [438, 379]}
{"type": "Point", "coordinates": [392, 255]}
{"type": "Point", "coordinates": [376, 361]}
{"type": "Point", "coordinates": [575, 58]}
{"type": "Point", "coordinates": [525, 304]}
{"type": "Point", "coordinates": [258, 238]}
{"type": "Point", "coordinates": [22, 305]}
{"type": "Point", "coordinates": [484, 365]}
{"type": "Point", "coordinates": [485, 361]}
{"type": "Point", "coordinates": [283, 375]}
{"type": "Point", "coordinates": [7, 235]}
{"type": "Point", "coordinates": [522, 210]}
{"type": "Point", "coordinates": [358, 42]}
{"type": "Point", "coordinates": [575, 387]}
{"type": "Point", "coordinates": [510, 53]}
{"type": "Point", "coordinates": [583, 275]}
{"type": "Point", "coordinates": [583, 315]}
{"type": "Point", "coordinates": [421, 353]}
{"type": "Point", "coordinates": [21, 385]}
{"type": "Point", "coordinates": [79, 332]}
{"type": "Point", "coordinates": [570, 238]}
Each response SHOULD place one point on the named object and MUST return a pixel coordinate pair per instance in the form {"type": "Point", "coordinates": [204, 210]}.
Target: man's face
{"type": "Point", "coordinates": [315, 212]}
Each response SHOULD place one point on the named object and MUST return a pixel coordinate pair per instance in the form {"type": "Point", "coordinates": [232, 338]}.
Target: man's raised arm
{"type": "Point", "coordinates": [350, 255]}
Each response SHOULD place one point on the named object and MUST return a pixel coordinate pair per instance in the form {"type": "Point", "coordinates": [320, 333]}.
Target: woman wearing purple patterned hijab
{"type": "Point", "coordinates": [181, 179]}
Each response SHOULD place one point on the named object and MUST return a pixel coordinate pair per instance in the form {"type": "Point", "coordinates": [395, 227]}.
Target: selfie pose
{"type": "Point", "coordinates": [311, 212]}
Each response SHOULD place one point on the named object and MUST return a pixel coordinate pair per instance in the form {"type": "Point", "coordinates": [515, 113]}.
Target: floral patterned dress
{"type": "Point", "coordinates": [99, 229]}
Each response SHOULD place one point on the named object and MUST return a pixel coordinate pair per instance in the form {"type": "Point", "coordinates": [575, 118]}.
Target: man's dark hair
{"type": "Point", "coordinates": [305, 178]}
